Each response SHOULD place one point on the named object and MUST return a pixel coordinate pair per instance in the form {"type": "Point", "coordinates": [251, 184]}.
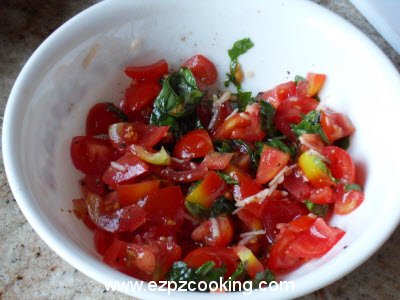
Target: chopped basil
{"type": "Point", "coordinates": [228, 179]}
{"type": "Point", "coordinates": [221, 206]}
{"type": "Point", "coordinates": [317, 209]}
{"type": "Point", "coordinates": [180, 271]}
{"type": "Point", "coordinates": [239, 273]}
{"type": "Point", "coordinates": [267, 112]}
{"type": "Point", "coordinates": [240, 47]}
{"type": "Point", "coordinates": [242, 146]}
{"type": "Point", "coordinates": [310, 124]}
{"type": "Point", "coordinates": [298, 78]}
{"type": "Point", "coordinates": [197, 210]}
{"type": "Point", "coordinates": [223, 146]}
{"type": "Point", "coordinates": [351, 187]}
{"type": "Point", "coordinates": [204, 268]}
{"type": "Point", "coordinates": [265, 275]}
{"type": "Point", "coordinates": [283, 144]}
{"type": "Point", "coordinates": [243, 99]}
{"type": "Point", "coordinates": [343, 143]}
{"type": "Point", "coordinates": [117, 112]}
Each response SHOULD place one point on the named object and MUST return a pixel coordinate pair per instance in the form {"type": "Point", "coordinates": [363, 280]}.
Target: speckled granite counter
{"type": "Point", "coordinates": [30, 270]}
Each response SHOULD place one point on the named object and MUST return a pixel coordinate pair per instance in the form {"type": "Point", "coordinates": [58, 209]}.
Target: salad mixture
{"type": "Point", "coordinates": [183, 185]}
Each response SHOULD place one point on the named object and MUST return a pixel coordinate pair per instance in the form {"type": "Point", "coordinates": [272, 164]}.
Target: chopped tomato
{"type": "Point", "coordinates": [250, 262]}
{"type": "Point", "coordinates": [217, 160]}
{"type": "Point", "coordinates": [311, 141]}
{"type": "Point", "coordinates": [139, 96]}
{"type": "Point", "coordinates": [102, 240]}
{"type": "Point", "coordinates": [226, 129]}
{"type": "Point", "coordinates": [253, 132]}
{"type": "Point", "coordinates": [207, 191]}
{"type": "Point", "coordinates": [341, 164]}
{"type": "Point", "coordinates": [124, 134]}
{"type": "Point", "coordinates": [81, 212]}
{"type": "Point", "coordinates": [203, 69]}
{"type": "Point", "coordinates": [121, 220]}
{"type": "Point", "coordinates": [152, 72]}
{"type": "Point", "coordinates": [222, 112]}
{"type": "Point", "coordinates": [315, 170]}
{"type": "Point", "coordinates": [347, 201]}
{"type": "Point", "coordinates": [290, 111]}
{"type": "Point", "coordinates": [221, 256]}
{"type": "Point", "coordinates": [272, 161]}
{"type": "Point", "coordinates": [336, 125]}
{"type": "Point", "coordinates": [194, 144]}
{"type": "Point", "coordinates": [296, 184]}
{"type": "Point", "coordinates": [279, 93]}
{"type": "Point", "coordinates": [315, 83]}
{"type": "Point", "coordinates": [276, 212]}
{"type": "Point", "coordinates": [92, 155]}
{"type": "Point", "coordinates": [186, 175]}
{"type": "Point", "coordinates": [100, 117]}
{"type": "Point", "coordinates": [214, 232]}
{"type": "Point", "coordinates": [131, 193]}
{"type": "Point", "coordinates": [93, 184]}
{"type": "Point", "coordinates": [250, 215]}
{"type": "Point", "coordinates": [124, 169]}
{"type": "Point", "coordinates": [246, 187]}
{"type": "Point", "coordinates": [322, 196]}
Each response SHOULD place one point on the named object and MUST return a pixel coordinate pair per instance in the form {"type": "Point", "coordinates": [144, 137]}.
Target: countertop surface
{"type": "Point", "coordinates": [29, 269]}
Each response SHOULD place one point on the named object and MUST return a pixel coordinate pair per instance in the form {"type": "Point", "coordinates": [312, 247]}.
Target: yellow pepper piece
{"type": "Point", "coordinates": [160, 158]}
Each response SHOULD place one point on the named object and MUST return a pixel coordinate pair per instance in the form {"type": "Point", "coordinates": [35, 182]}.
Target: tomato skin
{"type": "Point", "coordinates": [290, 112]}
{"type": "Point", "coordinates": [152, 72]}
{"type": "Point", "coordinates": [131, 193]}
{"type": "Point", "coordinates": [184, 176]}
{"type": "Point", "coordinates": [219, 255]}
{"type": "Point", "coordinates": [99, 118]}
{"type": "Point", "coordinates": [315, 170]}
{"type": "Point", "coordinates": [102, 240]}
{"type": "Point", "coordinates": [194, 144]}
{"type": "Point", "coordinates": [323, 195]}
{"type": "Point", "coordinates": [202, 68]}
{"type": "Point", "coordinates": [250, 216]}
{"type": "Point", "coordinates": [296, 185]}
{"type": "Point", "coordinates": [280, 211]}
{"type": "Point", "coordinates": [122, 135]}
{"type": "Point", "coordinates": [315, 83]}
{"type": "Point", "coordinates": [223, 111]}
{"type": "Point", "coordinates": [124, 169]}
{"type": "Point", "coordinates": [272, 161]}
{"type": "Point", "coordinates": [93, 184]}
{"type": "Point", "coordinates": [336, 125]}
{"type": "Point", "coordinates": [348, 201]}
{"type": "Point", "coordinates": [204, 232]}
{"type": "Point", "coordinates": [80, 210]}
{"type": "Point", "coordinates": [207, 191]}
{"type": "Point", "coordinates": [217, 160]}
{"type": "Point", "coordinates": [250, 262]}
{"type": "Point", "coordinates": [281, 92]}
{"type": "Point", "coordinates": [246, 187]}
{"type": "Point", "coordinates": [227, 129]}
{"type": "Point", "coordinates": [91, 155]}
{"type": "Point", "coordinates": [137, 97]}
{"type": "Point", "coordinates": [341, 164]}
{"type": "Point", "coordinates": [312, 139]}
{"type": "Point", "coordinates": [253, 131]}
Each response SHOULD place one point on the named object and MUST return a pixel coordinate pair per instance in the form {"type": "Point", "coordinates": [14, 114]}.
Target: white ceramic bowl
{"type": "Point", "coordinates": [81, 63]}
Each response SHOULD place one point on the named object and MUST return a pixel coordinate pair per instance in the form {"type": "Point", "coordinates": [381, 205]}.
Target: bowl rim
{"type": "Point", "coordinates": [102, 273]}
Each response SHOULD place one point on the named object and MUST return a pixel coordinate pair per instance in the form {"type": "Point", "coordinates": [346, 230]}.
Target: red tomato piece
{"type": "Point", "coordinates": [322, 195]}
{"type": "Point", "coordinates": [126, 219]}
{"type": "Point", "coordinates": [124, 169]}
{"type": "Point", "coordinates": [311, 141]}
{"type": "Point", "coordinates": [207, 191]}
{"type": "Point", "coordinates": [233, 122]}
{"type": "Point", "coordinates": [137, 97]}
{"type": "Point", "coordinates": [131, 193]}
{"type": "Point", "coordinates": [290, 111]}
{"type": "Point", "coordinates": [250, 262]}
{"type": "Point", "coordinates": [221, 256]}
{"type": "Point", "coordinates": [347, 201]}
{"type": "Point", "coordinates": [184, 176]}
{"type": "Point", "coordinates": [272, 161]}
{"type": "Point", "coordinates": [246, 187]}
{"type": "Point", "coordinates": [194, 144]}
{"type": "Point", "coordinates": [81, 212]}
{"type": "Point", "coordinates": [92, 155]}
{"type": "Point", "coordinates": [296, 185]}
{"type": "Point", "coordinates": [203, 69]}
{"type": "Point", "coordinates": [253, 132]}
{"type": "Point", "coordinates": [316, 241]}
{"type": "Point", "coordinates": [280, 211]}
{"type": "Point", "coordinates": [122, 135]}
{"type": "Point", "coordinates": [341, 164]}
{"type": "Point", "coordinates": [279, 93]}
{"type": "Point", "coordinates": [250, 216]}
{"type": "Point", "coordinates": [215, 232]}
{"type": "Point", "coordinates": [165, 206]}
{"type": "Point", "coordinates": [93, 184]}
{"type": "Point", "coordinates": [100, 117]}
{"type": "Point", "coordinates": [152, 72]}
{"type": "Point", "coordinates": [223, 111]}
{"type": "Point", "coordinates": [336, 125]}
{"type": "Point", "coordinates": [102, 240]}
{"type": "Point", "coordinates": [315, 83]}
{"type": "Point", "coordinates": [217, 160]}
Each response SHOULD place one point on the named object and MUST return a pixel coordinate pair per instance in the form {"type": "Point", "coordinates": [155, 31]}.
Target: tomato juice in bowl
{"type": "Point", "coordinates": [63, 82]}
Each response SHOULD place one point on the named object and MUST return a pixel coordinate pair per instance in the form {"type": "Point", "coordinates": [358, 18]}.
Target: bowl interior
{"type": "Point", "coordinates": [83, 62]}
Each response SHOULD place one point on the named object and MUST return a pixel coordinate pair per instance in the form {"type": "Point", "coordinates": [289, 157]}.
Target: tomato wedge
{"type": "Point", "coordinates": [233, 122]}
{"type": "Point", "coordinates": [341, 164]}
{"type": "Point", "coordinates": [250, 262]}
{"type": "Point", "coordinates": [315, 83]}
{"type": "Point", "coordinates": [131, 193]}
{"type": "Point", "coordinates": [295, 183]}
{"type": "Point", "coordinates": [272, 161]}
{"type": "Point", "coordinates": [152, 72]}
{"type": "Point", "coordinates": [202, 68]}
{"type": "Point", "coordinates": [279, 93]}
{"type": "Point", "coordinates": [246, 187]}
{"type": "Point", "coordinates": [253, 132]}
{"type": "Point", "coordinates": [347, 201]}
{"type": "Point", "coordinates": [217, 160]}
{"type": "Point", "coordinates": [215, 232]}
{"type": "Point", "coordinates": [336, 125]}
{"type": "Point", "coordinates": [100, 117]}
{"type": "Point", "coordinates": [139, 96]}
{"type": "Point", "coordinates": [184, 176]}
{"type": "Point", "coordinates": [194, 144]}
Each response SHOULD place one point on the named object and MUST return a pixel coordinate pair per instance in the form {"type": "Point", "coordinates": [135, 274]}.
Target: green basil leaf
{"type": "Point", "coordinates": [283, 144]}
{"type": "Point", "coordinates": [117, 112]}
{"type": "Point", "coordinates": [244, 99]}
{"type": "Point", "coordinates": [221, 206]}
{"type": "Point", "coordinates": [244, 147]}
{"type": "Point", "coordinates": [310, 124]}
{"type": "Point", "coordinates": [343, 143]}
{"type": "Point", "coordinates": [317, 209]}
{"type": "Point", "coordinates": [204, 268]}
{"type": "Point", "coordinates": [265, 275]}
{"type": "Point", "coordinates": [267, 112]}
{"type": "Point", "coordinates": [228, 179]}
{"type": "Point", "coordinates": [298, 78]}
{"type": "Point", "coordinates": [239, 274]}
{"type": "Point", "coordinates": [223, 146]}
{"type": "Point", "coordinates": [197, 210]}
{"type": "Point", "coordinates": [180, 271]}
{"type": "Point", "coordinates": [351, 187]}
